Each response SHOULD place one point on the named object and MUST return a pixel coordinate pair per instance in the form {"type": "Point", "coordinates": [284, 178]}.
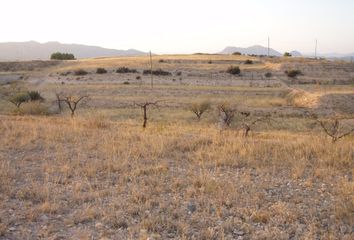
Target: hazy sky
{"type": "Point", "coordinates": [183, 26]}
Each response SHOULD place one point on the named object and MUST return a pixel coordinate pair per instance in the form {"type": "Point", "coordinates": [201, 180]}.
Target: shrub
{"type": "Point", "coordinates": [268, 74]}
{"type": "Point", "coordinates": [199, 108]}
{"type": "Point", "coordinates": [287, 54]}
{"type": "Point", "coordinates": [19, 98]}
{"type": "Point", "coordinates": [234, 70]}
{"type": "Point", "coordinates": [158, 72]}
{"type": "Point", "coordinates": [80, 72]}
{"type": "Point", "coordinates": [101, 71]}
{"type": "Point", "coordinates": [226, 114]}
{"type": "Point", "coordinates": [161, 61]}
{"type": "Point", "coordinates": [138, 78]}
{"type": "Point", "coordinates": [178, 73]}
{"type": "Point", "coordinates": [293, 73]}
{"type": "Point", "coordinates": [126, 83]}
{"type": "Point", "coordinates": [248, 61]}
{"type": "Point", "coordinates": [126, 70]}
{"type": "Point", "coordinates": [236, 53]}
{"type": "Point", "coordinates": [35, 96]}
{"type": "Point", "coordinates": [62, 56]}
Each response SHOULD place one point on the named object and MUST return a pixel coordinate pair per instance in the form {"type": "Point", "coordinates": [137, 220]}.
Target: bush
{"type": "Point", "coordinates": [126, 70]}
{"type": "Point", "coordinates": [248, 61]}
{"type": "Point", "coordinates": [161, 61]}
{"type": "Point", "coordinates": [199, 108]}
{"type": "Point", "coordinates": [101, 71]}
{"type": "Point", "coordinates": [287, 54]}
{"type": "Point", "coordinates": [234, 70]}
{"type": "Point", "coordinates": [158, 72]}
{"type": "Point", "coordinates": [80, 72]}
{"type": "Point", "coordinates": [62, 56]}
{"type": "Point", "coordinates": [19, 98]}
{"type": "Point", "coordinates": [268, 74]}
{"type": "Point", "coordinates": [293, 73]}
{"type": "Point", "coordinates": [236, 53]}
{"type": "Point", "coordinates": [35, 96]}
{"type": "Point", "coordinates": [126, 83]}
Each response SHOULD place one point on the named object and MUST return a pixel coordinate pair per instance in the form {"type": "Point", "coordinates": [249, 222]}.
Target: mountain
{"type": "Point", "coordinates": [296, 53]}
{"type": "Point", "coordinates": [257, 50]}
{"type": "Point", "coordinates": [32, 50]}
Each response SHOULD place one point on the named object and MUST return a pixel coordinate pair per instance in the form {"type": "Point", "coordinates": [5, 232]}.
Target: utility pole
{"type": "Point", "coordinates": [152, 80]}
{"type": "Point", "coordinates": [316, 50]}
{"type": "Point", "coordinates": [351, 59]}
{"type": "Point", "coordinates": [268, 45]}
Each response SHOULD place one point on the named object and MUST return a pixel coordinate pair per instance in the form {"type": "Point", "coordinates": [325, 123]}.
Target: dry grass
{"type": "Point", "coordinates": [98, 178]}
{"type": "Point", "coordinates": [101, 176]}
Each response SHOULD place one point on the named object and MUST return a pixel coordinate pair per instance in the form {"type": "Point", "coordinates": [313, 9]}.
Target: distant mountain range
{"type": "Point", "coordinates": [260, 50]}
{"type": "Point", "coordinates": [256, 50]}
{"type": "Point", "coordinates": [11, 51]}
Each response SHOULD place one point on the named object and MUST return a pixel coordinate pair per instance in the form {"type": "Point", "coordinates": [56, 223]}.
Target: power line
{"type": "Point", "coordinates": [316, 50]}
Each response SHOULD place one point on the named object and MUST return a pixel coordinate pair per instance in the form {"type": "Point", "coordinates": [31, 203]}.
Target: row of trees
{"type": "Point", "coordinates": [335, 128]}
{"type": "Point", "coordinates": [62, 56]}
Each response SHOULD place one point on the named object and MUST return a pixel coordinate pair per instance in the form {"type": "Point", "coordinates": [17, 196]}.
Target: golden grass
{"type": "Point", "coordinates": [116, 180]}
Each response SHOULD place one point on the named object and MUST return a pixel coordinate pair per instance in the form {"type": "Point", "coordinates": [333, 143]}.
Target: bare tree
{"type": "Point", "coordinates": [59, 100]}
{"type": "Point", "coordinates": [247, 123]}
{"type": "Point", "coordinates": [72, 102]}
{"type": "Point", "coordinates": [200, 108]}
{"type": "Point", "coordinates": [334, 128]}
{"type": "Point", "coordinates": [144, 106]}
{"type": "Point", "coordinates": [226, 114]}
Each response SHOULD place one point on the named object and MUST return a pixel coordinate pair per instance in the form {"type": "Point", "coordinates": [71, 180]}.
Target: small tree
{"type": "Point", "coordinates": [199, 108]}
{"type": "Point", "coordinates": [334, 128]}
{"type": "Point", "coordinates": [144, 106]}
{"type": "Point", "coordinates": [72, 102]}
{"type": "Point", "coordinates": [247, 123]}
{"type": "Point", "coordinates": [58, 100]}
{"type": "Point", "coordinates": [226, 114]}
{"type": "Point", "coordinates": [287, 54]}
{"type": "Point", "coordinates": [19, 98]}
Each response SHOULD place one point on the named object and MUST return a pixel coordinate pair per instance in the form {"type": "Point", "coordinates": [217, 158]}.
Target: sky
{"type": "Point", "coordinates": [183, 26]}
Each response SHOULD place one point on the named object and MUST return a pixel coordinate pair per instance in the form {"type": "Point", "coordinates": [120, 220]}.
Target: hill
{"type": "Point", "coordinates": [257, 50]}
{"type": "Point", "coordinates": [11, 51]}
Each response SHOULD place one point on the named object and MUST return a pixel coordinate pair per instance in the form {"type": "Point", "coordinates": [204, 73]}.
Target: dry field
{"type": "Point", "coordinates": [100, 175]}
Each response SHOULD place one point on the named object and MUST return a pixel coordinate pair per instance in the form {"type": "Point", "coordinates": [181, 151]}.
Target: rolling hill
{"type": "Point", "coordinates": [12, 51]}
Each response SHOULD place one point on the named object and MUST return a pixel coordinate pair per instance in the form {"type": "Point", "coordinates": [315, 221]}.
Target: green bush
{"type": "Point", "coordinates": [236, 53]}
{"type": "Point", "coordinates": [293, 73]}
{"type": "Point", "coordinates": [158, 72]}
{"type": "Point", "coordinates": [126, 70]}
{"type": "Point", "coordinates": [62, 56]}
{"type": "Point", "coordinates": [19, 98]}
{"type": "Point", "coordinates": [287, 54]}
{"type": "Point", "coordinates": [268, 74]}
{"type": "Point", "coordinates": [248, 61]}
{"type": "Point", "coordinates": [35, 96]}
{"type": "Point", "coordinates": [80, 72]}
{"type": "Point", "coordinates": [234, 70]}
{"type": "Point", "coordinates": [101, 71]}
